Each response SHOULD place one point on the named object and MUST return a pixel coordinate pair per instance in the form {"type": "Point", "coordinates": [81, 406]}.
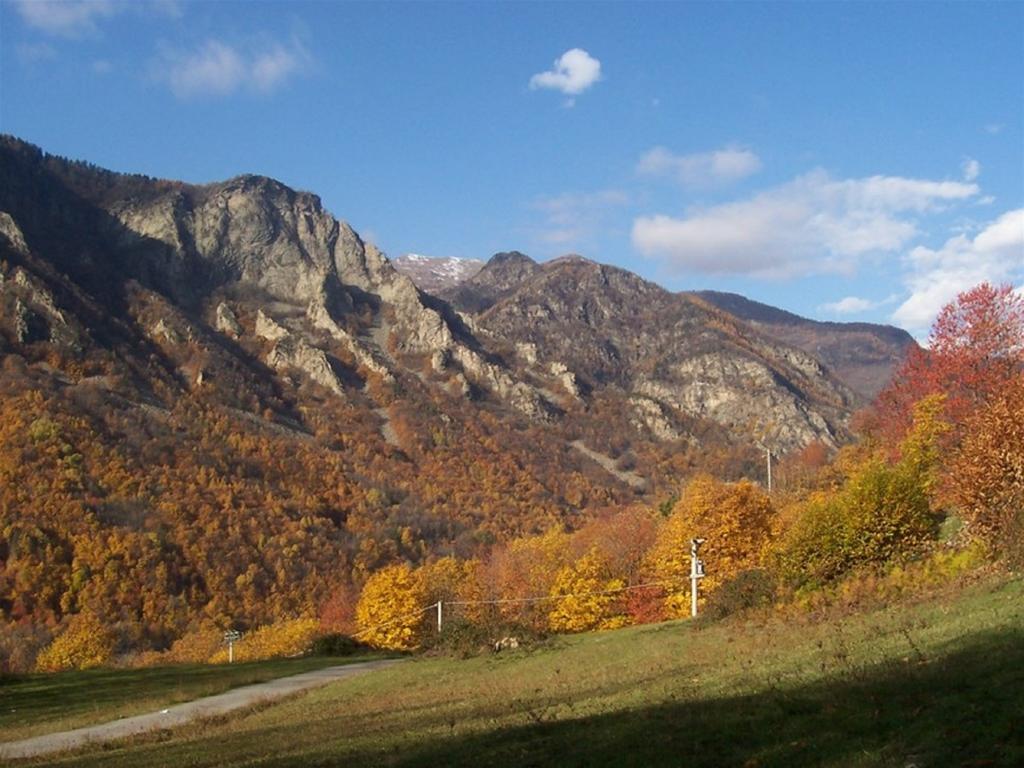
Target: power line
{"type": "Point", "coordinates": [502, 601]}
{"type": "Point", "coordinates": [505, 601]}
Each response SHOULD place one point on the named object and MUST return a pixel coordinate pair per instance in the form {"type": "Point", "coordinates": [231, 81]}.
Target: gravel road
{"type": "Point", "coordinates": [179, 714]}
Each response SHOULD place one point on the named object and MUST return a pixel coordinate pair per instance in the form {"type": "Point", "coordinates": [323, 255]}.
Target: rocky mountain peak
{"type": "Point", "coordinates": [502, 273]}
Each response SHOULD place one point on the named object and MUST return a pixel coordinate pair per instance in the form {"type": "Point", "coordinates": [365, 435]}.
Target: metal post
{"type": "Point", "coordinates": [768, 451]}
{"type": "Point", "coordinates": [439, 617]}
{"type": "Point", "coordinates": [696, 574]}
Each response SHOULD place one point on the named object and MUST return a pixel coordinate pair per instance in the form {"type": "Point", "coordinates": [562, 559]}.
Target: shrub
{"type": "Point", "coordinates": [85, 643]}
{"type": "Point", "coordinates": [336, 644]}
{"type": "Point", "coordinates": [754, 588]}
{"type": "Point", "coordinates": [281, 639]}
{"type": "Point", "coordinates": [881, 513]}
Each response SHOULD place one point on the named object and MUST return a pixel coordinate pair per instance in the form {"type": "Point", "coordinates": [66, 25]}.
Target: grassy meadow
{"type": "Point", "coordinates": [936, 681]}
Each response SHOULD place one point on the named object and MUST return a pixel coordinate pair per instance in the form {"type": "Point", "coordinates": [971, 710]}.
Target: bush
{"type": "Point", "coordinates": [754, 588]}
{"type": "Point", "coordinates": [881, 514]}
{"type": "Point", "coordinates": [86, 643]}
{"type": "Point", "coordinates": [337, 644]}
{"type": "Point", "coordinates": [282, 639]}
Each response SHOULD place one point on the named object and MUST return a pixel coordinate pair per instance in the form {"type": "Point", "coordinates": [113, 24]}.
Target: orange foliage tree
{"type": "Point", "coordinates": [987, 476]}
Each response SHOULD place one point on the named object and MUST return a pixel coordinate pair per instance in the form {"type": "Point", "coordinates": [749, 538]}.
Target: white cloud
{"type": "Point", "coordinates": [65, 18]}
{"type": "Point", "coordinates": [851, 305]}
{"type": "Point", "coordinates": [971, 168]}
{"type": "Point", "coordinates": [994, 128]}
{"type": "Point", "coordinates": [572, 218]}
{"type": "Point", "coordinates": [812, 224]}
{"type": "Point", "coordinates": [935, 277]}
{"type": "Point", "coordinates": [574, 72]}
{"type": "Point", "coordinates": [218, 69]}
{"type": "Point", "coordinates": [703, 168]}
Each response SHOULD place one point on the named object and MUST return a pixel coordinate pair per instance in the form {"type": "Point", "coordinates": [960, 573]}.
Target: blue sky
{"type": "Point", "coordinates": [844, 161]}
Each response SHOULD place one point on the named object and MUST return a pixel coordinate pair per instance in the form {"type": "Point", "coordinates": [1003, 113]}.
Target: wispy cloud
{"type": "Point", "coordinates": [65, 18]}
{"type": "Point", "coordinates": [573, 218]}
{"type": "Point", "coordinates": [217, 68]}
{"type": "Point", "coordinates": [935, 277]}
{"type": "Point", "coordinates": [994, 128]}
{"type": "Point", "coordinates": [971, 169]}
{"type": "Point", "coordinates": [812, 224]}
{"type": "Point", "coordinates": [573, 73]}
{"type": "Point", "coordinates": [81, 18]}
{"type": "Point", "coordinates": [850, 305]}
{"type": "Point", "coordinates": [700, 169]}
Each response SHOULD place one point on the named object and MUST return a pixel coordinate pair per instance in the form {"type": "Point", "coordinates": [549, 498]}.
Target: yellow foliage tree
{"type": "Point", "coordinates": [585, 597]}
{"type": "Point", "coordinates": [735, 519]}
{"type": "Point", "coordinates": [86, 643]}
{"type": "Point", "coordinates": [389, 612]}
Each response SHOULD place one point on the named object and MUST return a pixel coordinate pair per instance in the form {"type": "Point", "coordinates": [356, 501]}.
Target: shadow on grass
{"type": "Point", "coordinates": [963, 709]}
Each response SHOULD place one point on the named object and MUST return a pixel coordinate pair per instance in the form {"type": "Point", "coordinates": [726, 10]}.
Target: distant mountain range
{"type": "Point", "coordinates": [861, 355]}
{"type": "Point", "coordinates": [508, 395]}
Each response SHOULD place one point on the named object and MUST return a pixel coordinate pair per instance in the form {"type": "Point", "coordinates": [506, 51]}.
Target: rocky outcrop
{"type": "Point", "coordinates": [321, 318]}
{"type": "Point", "coordinates": [10, 230]}
{"type": "Point", "coordinates": [650, 414]}
{"type": "Point", "coordinates": [296, 353]}
{"type": "Point", "coordinates": [34, 314]}
{"type": "Point", "coordinates": [566, 378]}
{"type": "Point", "coordinates": [268, 328]}
{"type": "Point", "coordinates": [226, 321]}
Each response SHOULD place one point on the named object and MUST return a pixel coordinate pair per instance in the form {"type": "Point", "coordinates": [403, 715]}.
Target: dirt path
{"type": "Point", "coordinates": [608, 463]}
{"type": "Point", "coordinates": [179, 714]}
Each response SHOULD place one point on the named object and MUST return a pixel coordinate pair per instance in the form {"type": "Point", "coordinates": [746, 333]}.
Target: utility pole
{"type": "Point", "coordinates": [768, 453]}
{"type": "Point", "coordinates": [696, 573]}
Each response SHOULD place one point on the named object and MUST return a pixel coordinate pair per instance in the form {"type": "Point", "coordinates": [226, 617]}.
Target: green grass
{"type": "Point", "coordinates": [933, 682]}
{"type": "Point", "coordinates": [32, 705]}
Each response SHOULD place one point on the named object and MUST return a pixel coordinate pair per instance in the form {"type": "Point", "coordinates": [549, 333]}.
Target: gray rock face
{"type": "Point", "coordinates": [672, 357]}
{"type": "Point", "coordinates": [34, 315]}
{"type": "Point", "coordinates": [268, 328]}
{"type": "Point", "coordinates": [226, 321]}
{"type": "Point", "coordinates": [280, 255]}
{"type": "Point", "coordinates": [295, 353]}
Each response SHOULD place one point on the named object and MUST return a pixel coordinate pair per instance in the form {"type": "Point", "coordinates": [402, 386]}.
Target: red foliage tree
{"type": "Point", "coordinates": [975, 348]}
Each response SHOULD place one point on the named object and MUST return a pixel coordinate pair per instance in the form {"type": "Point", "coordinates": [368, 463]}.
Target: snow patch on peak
{"type": "Point", "coordinates": [435, 273]}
